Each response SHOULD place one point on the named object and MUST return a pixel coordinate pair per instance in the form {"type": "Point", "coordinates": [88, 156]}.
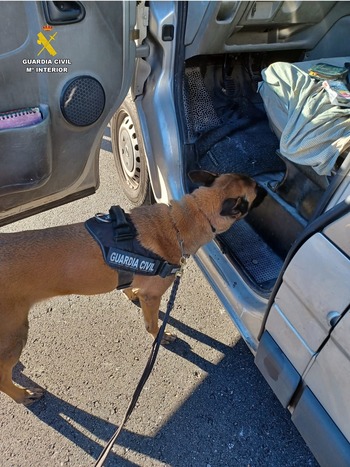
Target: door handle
{"type": "Point", "coordinates": [62, 12]}
{"type": "Point", "coordinates": [333, 317]}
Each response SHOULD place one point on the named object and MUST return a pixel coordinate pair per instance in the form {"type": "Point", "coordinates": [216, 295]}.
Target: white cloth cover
{"type": "Point", "coordinates": [312, 131]}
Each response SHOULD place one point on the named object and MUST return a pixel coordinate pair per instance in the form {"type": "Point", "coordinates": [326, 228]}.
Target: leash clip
{"type": "Point", "coordinates": [183, 259]}
{"type": "Point", "coordinates": [183, 262]}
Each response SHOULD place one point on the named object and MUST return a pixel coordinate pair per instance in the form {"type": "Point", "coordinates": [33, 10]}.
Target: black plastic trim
{"type": "Point", "coordinates": [63, 12]}
{"type": "Point", "coordinates": [276, 368]}
{"type": "Point", "coordinates": [47, 207]}
{"type": "Point", "coordinates": [321, 434]}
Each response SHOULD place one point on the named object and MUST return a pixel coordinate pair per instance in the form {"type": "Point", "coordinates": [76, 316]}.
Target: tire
{"type": "Point", "coordinates": [129, 154]}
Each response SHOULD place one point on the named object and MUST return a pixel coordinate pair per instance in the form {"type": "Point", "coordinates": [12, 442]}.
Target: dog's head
{"type": "Point", "coordinates": [228, 197]}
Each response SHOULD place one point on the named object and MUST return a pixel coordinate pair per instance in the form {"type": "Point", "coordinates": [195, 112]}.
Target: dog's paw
{"type": "Point", "coordinates": [168, 338]}
{"type": "Point", "coordinates": [32, 395]}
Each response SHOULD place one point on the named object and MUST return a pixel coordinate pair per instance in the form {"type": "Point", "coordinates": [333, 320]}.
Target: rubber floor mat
{"type": "Point", "coordinates": [258, 261]}
{"type": "Point", "coordinates": [248, 148]}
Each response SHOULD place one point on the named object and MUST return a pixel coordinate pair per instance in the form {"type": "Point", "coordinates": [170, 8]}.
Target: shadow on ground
{"type": "Point", "coordinates": [224, 422]}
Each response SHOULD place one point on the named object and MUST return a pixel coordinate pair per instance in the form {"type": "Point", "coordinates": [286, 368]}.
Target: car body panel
{"type": "Point", "coordinates": [245, 308]}
{"type": "Point", "coordinates": [162, 139]}
{"type": "Point", "coordinates": [57, 158]}
{"type": "Point", "coordinates": [339, 233]}
{"type": "Point", "coordinates": [330, 367]}
{"type": "Point", "coordinates": [315, 287]}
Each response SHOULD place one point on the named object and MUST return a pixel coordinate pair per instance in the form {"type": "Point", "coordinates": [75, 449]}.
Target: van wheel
{"type": "Point", "coordinates": [129, 154]}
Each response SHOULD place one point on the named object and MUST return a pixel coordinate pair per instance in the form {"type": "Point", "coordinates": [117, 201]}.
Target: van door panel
{"type": "Point", "coordinates": [75, 74]}
{"type": "Point", "coordinates": [329, 376]}
{"type": "Point", "coordinates": [315, 286]}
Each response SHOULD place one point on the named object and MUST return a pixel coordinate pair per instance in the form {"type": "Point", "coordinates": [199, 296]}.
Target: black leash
{"type": "Point", "coordinates": [147, 371]}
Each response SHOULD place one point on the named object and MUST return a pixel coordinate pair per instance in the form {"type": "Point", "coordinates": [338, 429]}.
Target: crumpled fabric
{"type": "Point", "coordinates": [312, 131]}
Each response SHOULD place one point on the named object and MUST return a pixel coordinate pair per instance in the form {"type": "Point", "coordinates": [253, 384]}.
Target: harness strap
{"type": "Point", "coordinates": [117, 237]}
{"type": "Point", "coordinates": [125, 279]}
{"type": "Point", "coordinates": [121, 227]}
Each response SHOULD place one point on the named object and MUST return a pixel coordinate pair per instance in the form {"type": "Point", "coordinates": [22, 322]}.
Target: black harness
{"type": "Point", "coordinates": [117, 238]}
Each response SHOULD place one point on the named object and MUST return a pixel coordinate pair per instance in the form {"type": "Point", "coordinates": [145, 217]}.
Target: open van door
{"type": "Point", "coordinates": [304, 351]}
{"type": "Point", "coordinates": [65, 68]}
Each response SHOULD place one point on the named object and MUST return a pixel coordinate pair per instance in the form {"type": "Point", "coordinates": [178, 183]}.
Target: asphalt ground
{"type": "Point", "coordinates": [205, 404]}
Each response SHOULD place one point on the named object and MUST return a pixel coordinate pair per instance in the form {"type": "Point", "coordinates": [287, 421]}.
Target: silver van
{"type": "Point", "coordinates": [230, 86]}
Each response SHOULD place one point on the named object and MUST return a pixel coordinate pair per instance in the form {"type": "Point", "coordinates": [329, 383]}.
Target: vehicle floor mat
{"type": "Point", "coordinates": [230, 130]}
{"type": "Point", "coordinates": [256, 259]}
{"type": "Point", "coordinates": [248, 147]}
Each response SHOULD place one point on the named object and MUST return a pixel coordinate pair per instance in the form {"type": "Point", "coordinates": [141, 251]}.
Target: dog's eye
{"type": "Point", "coordinates": [228, 207]}
{"type": "Point", "coordinates": [234, 206]}
{"type": "Point", "coordinates": [243, 206]}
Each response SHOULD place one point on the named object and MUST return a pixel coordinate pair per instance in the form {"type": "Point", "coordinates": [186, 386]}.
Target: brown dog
{"type": "Point", "coordinates": [36, 265]}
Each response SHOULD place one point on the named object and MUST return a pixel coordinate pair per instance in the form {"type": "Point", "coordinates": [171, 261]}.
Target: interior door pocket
{"type": "Point", "coordinates": [25, 149]}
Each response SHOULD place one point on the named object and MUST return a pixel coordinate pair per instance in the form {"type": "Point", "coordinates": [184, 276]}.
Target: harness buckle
{"type": "Point", "coordinates": [101, 217]}
{"type": "Point", "coordinates": [166, 269]}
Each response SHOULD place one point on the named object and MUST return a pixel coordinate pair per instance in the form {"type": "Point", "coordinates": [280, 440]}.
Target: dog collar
{"type": "Point", "coordinates": [180, 241]}
{"type": "Point", "coordinates": [213, 229]}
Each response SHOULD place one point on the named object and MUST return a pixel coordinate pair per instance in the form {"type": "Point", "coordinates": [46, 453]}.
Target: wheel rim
{"type": "Point", "coordinates": [129, 152]}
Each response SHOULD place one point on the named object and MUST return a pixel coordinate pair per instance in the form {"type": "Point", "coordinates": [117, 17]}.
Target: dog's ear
{"type": "Point", "coordinates": [202, 177]}
{"type": "Point", "coordinates": [234, 206]}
